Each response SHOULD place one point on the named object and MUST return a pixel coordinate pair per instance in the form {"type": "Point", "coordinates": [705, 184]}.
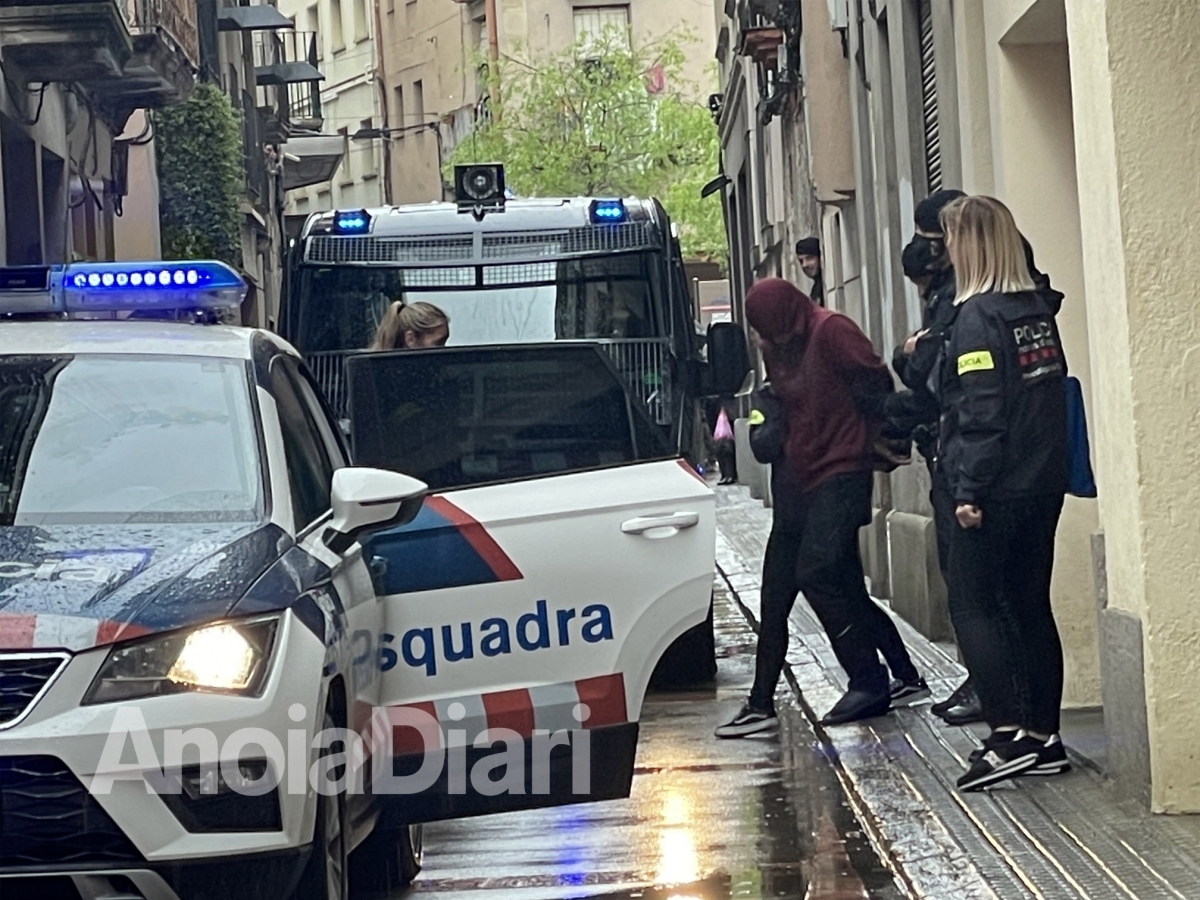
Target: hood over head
{"type": "Point", "coordinates": [779, 311]}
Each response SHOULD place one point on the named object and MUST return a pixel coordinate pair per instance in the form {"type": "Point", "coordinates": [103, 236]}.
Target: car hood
{"type": "Point", "coordinates": [74, 587]}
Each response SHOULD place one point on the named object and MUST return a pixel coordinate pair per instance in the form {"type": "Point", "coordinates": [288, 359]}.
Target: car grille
{"type": "Point", "coordinates": [23, 677]}
{"type": "Point", "coordinates": [48, 818]}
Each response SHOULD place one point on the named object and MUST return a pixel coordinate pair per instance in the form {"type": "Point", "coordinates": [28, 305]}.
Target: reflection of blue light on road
{"type": "Point", "coordinates": [571, 857]}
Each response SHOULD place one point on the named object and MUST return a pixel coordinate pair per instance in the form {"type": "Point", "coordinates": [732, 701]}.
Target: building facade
{"type": "Point", "coordinates": [1079, 115]}
{"type": "Point", "coordinates": [345, 33]}
{"type": "Point", "coordinates": [436, 88]}
{"type": "Point", "coordinates": [75, 78]}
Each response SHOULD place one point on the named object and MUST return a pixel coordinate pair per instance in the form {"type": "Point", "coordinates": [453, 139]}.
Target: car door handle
{"type": "Point", "coordinates": [678, 521]}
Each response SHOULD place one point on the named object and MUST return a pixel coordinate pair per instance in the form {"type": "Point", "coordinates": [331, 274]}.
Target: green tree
{"type": "Point", "coordinates": [200, 171]}
{"type": "Point", "coordinates": [602, 119]}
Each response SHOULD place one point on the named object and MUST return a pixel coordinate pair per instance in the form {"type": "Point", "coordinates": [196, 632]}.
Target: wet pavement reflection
{"type": "Point", "coordinates": [707, 820]}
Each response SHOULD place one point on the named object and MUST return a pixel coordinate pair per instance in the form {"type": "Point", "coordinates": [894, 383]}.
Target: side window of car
{"type": "Point", "coordinates": [310, 471]}
{"type": "Point", "coordinates": [327, 424]}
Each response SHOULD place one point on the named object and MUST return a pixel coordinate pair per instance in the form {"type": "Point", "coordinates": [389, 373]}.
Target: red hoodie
{"type": "Point", "coordinates": [824, 369]}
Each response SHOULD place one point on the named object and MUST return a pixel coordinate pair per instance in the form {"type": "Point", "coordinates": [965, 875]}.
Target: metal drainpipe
{"type": "Point", "coordinates": [489, 8]}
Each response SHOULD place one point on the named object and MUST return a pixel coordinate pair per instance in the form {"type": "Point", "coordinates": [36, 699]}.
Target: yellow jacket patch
{"type": "Point", "coordinates": [756, 417]}
{"type": "Point", "coordinates": [976, 361]}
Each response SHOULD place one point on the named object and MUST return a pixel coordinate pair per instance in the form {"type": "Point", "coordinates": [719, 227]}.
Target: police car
{"type": "Point", "coordinates": [234, 664]}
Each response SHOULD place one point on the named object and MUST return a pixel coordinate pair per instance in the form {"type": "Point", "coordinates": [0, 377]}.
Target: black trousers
{"type": "Point", "coordinates": [1000, 590]}
{"type": "Point", "coordinates": [813, 548]}
{"type": "Point", "coordinates": [944, 520]}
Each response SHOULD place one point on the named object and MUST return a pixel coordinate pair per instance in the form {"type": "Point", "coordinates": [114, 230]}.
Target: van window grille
{"type": "Point", "coordinates": [501, 246]}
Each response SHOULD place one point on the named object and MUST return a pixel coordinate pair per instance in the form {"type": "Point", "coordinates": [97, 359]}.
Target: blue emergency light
{"type": "Point", "coordinates": [357, 222]}
{"type": "Point", "coordinates": [120, 287]}
{"type": "Point", "coordinates": [608, 212]}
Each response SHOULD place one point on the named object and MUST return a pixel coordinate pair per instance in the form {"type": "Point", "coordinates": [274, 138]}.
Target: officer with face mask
{"type": "Point", "coordinates": [926, 264]}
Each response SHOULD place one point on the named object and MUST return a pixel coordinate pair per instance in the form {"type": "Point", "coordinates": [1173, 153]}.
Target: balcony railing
{"type": "Point", "coordinates": [173, 19]}
{"type": "Point", "coordinates": [288, 77]}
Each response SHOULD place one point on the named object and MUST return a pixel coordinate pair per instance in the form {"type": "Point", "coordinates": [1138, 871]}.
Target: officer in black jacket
{"type": "Point", "coordinates": [1003, 448]}
{"type": "Point", "coordinates": [915, 411]}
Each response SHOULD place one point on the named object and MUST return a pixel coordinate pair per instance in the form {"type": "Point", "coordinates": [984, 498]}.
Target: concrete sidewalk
{"type": "Point", "coordinates": [1061, 838]}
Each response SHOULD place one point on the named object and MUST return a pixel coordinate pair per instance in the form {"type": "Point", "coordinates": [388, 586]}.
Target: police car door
{"type": "Point", "coordinates": [563, 548]}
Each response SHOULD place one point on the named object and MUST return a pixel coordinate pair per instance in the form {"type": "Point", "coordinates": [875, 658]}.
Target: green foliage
{"type": "Point", "coordinates": [584, 122]}
{"type": "Point", "coordinates": [200, 173]}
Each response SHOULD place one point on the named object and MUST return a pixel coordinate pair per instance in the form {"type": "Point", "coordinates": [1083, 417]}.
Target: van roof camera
{"type": "Point", "coordinates": [479, 189]}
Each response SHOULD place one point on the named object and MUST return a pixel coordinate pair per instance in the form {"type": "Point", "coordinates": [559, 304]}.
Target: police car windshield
{"type": "Point", "coordinates": [126, 439]}
{"type": "Point", "coordinates": [593, 298]}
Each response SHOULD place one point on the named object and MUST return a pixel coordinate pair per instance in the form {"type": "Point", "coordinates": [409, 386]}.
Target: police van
{"type": "Point", "coordinates": [234, 664]}
{"type": "Point", "coordinates": [573, 348]}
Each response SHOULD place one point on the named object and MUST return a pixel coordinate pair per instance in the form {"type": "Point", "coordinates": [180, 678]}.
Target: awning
{"type": "Point", "coordinates": [251, 18]}
{"type": "Point", "coordinates": [287, 73]}
{"type": "Point", "coordinates": [311, 159]}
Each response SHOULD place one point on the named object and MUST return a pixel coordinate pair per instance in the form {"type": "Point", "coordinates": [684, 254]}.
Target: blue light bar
{"type": "Point", "coordinates": [122, 287]}
{"type": "Point", "coordinates": [357, 222]}
{"type": "Point", "coordinates": [608, 212]}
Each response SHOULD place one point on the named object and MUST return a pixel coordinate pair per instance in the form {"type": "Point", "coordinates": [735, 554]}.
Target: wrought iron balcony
{"type": "Point", "coordinates": [54, 40]}
{"type": "Point", "coordinates": [289, 80]}
{"type": "Point", "coordinates": [130, 54]}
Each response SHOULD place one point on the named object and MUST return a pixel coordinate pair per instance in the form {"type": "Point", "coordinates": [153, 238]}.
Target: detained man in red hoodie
{"type": "Point", "coordinates": [831, 385]}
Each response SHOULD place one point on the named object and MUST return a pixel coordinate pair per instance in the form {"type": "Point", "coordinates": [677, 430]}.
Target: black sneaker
{"type": "Point", "coordinates": [1052, 758]}
{"type": "Point", "coordinates": [857, 705]}
{"type": "Point", "coordinates": [955, 699]}
{"type": "Point", "coordinates": [1002, 761]}
{"type": "Point", "coordinates": [965, 709]}
{"type": "Point", "coordinates": [906, 693]}
{"type": "Point", "coordinates": [748, 721]}
{"type": "Point", "coordinates": [993, 740]}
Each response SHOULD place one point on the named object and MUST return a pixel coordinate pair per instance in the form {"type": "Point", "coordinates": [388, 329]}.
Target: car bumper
{"type": "Point", "coordinates": [244, 877]}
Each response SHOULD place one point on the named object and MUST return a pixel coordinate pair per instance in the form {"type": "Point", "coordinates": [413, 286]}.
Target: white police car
{"type": "Point", "coordinates": [209, 690]}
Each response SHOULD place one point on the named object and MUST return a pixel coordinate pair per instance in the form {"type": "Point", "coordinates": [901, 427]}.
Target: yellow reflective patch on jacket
{"type": "Point", "coordinates": [756, 417]}
{"type": "Point", "coordinates": [976, 361]}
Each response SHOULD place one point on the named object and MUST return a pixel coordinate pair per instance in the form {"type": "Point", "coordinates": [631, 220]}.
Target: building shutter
{"type": "Point", "coordinates": [929, 99]}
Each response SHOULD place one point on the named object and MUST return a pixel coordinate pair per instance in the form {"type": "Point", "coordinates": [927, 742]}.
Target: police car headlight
{"type": "Point", "coordinates": [225, 658]}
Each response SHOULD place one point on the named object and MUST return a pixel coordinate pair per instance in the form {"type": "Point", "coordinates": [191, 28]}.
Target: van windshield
{"type": "Point", "coordinates": [612, 297]}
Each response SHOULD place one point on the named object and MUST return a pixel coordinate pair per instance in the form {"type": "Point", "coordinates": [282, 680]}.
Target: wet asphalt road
{"type": "Point", "coordinates": [707, 820]}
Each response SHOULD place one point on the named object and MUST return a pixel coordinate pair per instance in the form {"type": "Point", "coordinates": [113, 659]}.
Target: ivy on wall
{"type": "Point", "coordinates": [200, 177]}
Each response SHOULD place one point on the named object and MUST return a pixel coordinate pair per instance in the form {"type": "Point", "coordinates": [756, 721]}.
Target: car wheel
{"type": "Point", "coordinates": [412, 853]}
{"type": "Point", "coordinates": [325, 876]}
{"type": "Point", "coordinates": [386, 862]}
{"type": "Point", "coordinates": [691, 660]}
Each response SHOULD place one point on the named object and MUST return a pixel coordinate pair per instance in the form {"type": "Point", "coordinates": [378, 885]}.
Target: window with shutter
{"type": "Point", "coordinates": [591, 23]}
{"type": "Point", "coordinates": [929, 99]}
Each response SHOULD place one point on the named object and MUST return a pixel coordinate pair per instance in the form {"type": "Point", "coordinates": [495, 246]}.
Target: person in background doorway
{"type": "Point", "coordinates": [808, 251]}
{"type": "Point", "coordinates": [412, 326]}
{"type": "Point", "coordinates": [830, 385]}
{"type": "Point", "coordinates": [1004, 451]}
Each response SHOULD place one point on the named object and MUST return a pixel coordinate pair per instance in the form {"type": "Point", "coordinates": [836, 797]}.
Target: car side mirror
{"type": "Point", "coordinates": [366, 499]}
{"type": "Point", "coordinates": [728, 358]}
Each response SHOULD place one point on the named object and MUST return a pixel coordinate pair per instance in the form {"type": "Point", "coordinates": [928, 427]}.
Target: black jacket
{"type": "Point", "coordinates": [1003, 426]}
{"type": "Point", "coordinates": [916, 410]}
